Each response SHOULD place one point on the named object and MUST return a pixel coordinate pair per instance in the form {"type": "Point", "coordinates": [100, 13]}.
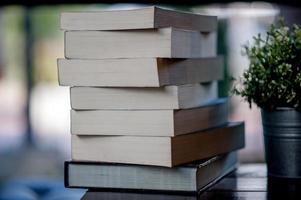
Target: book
{"type": "Point", "coordinates": [139, 72]}
{"type": "Point", "coordinates": [142, 18]}
{"type": "Point", "coordinates": [125, 195]}
{"type": "Point", "coordinates": [204, 194]}
{"type": "Point", "coordinates": [185, 178]}
{"type": "Point", "coordinates": [149, 122]}
{"type": "Point", "coordinates": [158, 151]}
{"type": "Point", "coordinates": [168, 97]}
{"type": "Point", "coordinates": [162, 43]}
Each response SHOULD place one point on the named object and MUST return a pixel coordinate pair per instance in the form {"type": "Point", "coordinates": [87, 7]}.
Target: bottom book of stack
{"type": "Point", "coordinates": [192, 177]}
{"type": "Point", "coordinates": [126, 195]}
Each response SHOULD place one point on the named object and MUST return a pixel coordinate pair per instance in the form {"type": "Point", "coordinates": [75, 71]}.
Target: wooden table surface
{"type": "Point", "coordinates": [248, 182]}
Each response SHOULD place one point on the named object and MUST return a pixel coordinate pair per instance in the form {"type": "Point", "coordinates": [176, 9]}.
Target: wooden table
{"type": "Point", "coordinates": [248, 182]}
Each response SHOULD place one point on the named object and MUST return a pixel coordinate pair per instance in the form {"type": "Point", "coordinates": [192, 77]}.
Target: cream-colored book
{"type": "Point", "coordinates": [142, 18]}
{"type": "Point", "coordinates": [160, 151]}
{"type": "Point", "coordinates": [149, 122]}
{"type": "Point", "coordinates": [139, 72]}
{"type": "Point", "coordinates": [163, 43]}
{"type": "Point", "coordinates": [168, 97]}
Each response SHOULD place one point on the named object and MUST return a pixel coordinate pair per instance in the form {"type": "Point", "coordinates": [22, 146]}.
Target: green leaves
{"type": "Point", "coordinates": [273, 78]}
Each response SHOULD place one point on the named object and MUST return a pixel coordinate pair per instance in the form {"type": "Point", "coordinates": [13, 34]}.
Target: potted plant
{"type": "Point", "coordinates": [273, 82]}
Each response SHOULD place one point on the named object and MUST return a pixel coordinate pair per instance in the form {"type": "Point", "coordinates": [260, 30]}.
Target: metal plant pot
{"type": "Point", "coordinates": [282, 138]}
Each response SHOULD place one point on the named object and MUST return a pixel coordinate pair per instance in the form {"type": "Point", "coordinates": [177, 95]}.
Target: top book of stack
{"type": "Point", "coordinates": [145, 18]}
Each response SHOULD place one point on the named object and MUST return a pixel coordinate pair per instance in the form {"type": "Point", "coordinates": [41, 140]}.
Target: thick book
{"type": "Point", "coordinates": [168, 97]}
{"type": "Point", "coordinates": [158, 151]}
{"type": "Point", "coordinates": [142, 18]}
{"type": "Point", "coordinates": [186, 178]}
{"type": "Point", "coordinates": [153, 43]}
{"type": "Point", "coordinates": [149, 122]}
{"type": "Point", "coordinates": [139, 72]}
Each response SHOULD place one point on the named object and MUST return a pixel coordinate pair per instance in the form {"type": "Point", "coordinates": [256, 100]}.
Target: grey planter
{"type": "Point", "coordinates": [282, 138]}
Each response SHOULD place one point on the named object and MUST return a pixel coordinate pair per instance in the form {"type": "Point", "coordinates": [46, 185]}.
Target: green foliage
{"type": "Point", "coordinates": [273, 78]}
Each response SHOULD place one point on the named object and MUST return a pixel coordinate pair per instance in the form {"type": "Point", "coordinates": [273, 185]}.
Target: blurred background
{"type": "Point", "coordinates": [34, 110]}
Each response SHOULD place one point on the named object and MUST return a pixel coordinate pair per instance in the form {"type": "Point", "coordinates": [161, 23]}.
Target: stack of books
{"type": "Point", "coordinates": [144, 97]}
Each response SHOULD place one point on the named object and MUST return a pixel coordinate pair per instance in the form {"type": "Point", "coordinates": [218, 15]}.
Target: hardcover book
{"type": "Point", "coordinates": [186, 178]}
{"type": "Point", "coordinates": [142, 18]}
{"type": "Point", "coordinates": [153, 43]}
{"type": "Point", "coordinates": [139, 72]}
{"type": "Point", "coordinates": [158, 151]}
{"type": "Point", "coordinates": [168, 97]}
{"type": "Point", "coordinates": [149, 122]}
